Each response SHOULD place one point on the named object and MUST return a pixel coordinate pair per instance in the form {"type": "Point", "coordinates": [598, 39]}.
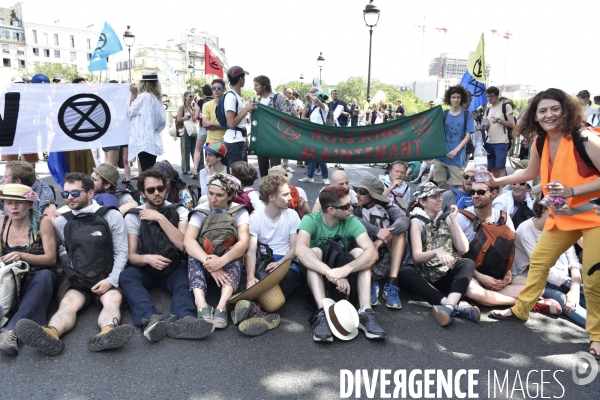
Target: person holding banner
{"type": "Point", "coordinates": [147, 115]}
{"type": "Point", "coordinates": [316, 111]}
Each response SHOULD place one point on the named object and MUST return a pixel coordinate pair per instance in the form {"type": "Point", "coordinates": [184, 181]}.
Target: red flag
{"type": "Point", "coordinates": [212, 65]}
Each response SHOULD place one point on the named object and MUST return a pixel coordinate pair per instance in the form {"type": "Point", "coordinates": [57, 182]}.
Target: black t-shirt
{"type": "Point", "coordinates": [400, 110]}
{"type": "Point", "coordinates": [342, 120]}
{"type": "Point", "coordinates": [204, 100]}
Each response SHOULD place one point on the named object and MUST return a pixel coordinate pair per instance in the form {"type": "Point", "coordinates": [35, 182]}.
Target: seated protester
{"type": "Point", "coordinates": [276, 226]}
{"type": "Point", "coordinates": [517, 202]}
{"type": "Point", "coordinates": [299, 200]}
{"type": "Point", "coordinates": [564, 279]}
{"type": "Point", "coordinates": [215, 155]}
{"type": "Point", "coordinates": [247, 175]}
{"type": "Point", "coordinates": [177, 191]}
{"type": "Point", "coordinates": [386, 226]}
{"type": "Point", "coordinates": [106, 177]}
{"type": "Point", "coordinates": [396, 190]}
{"type": "Point", "coordinates": [434, 269]}
{"type": "Point", "coordinates": [27, 236]}
{"type": "Point", "coordinates": [222, 261]}
{"type": "Point", "coordinates": [23, 173]}
{"type": "Point", "coordinates": [338, 178]}
{"type": "Point", "coordinates": [413, 170]}
{"type": "Point", "coordinates": [425, 173]}
{"type": "Point", "coordinates": [351, 279]}
{"type": "Point", "coordinates": [87, 257]}
{"type": "Point", "coordinates": [461, 196]}
{"type": "Point", "coordinates": [156, 259]}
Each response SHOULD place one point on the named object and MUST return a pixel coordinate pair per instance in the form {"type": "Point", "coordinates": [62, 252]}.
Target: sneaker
{"type": "Point", "coordinates": [43, 338]}
{"type": "Point", "coordinates": [318, 172]}
{"type": "Point", "coordinates": [189, 327]}
{"type": "Point", "coordinates": [288, 169]}
{"type": "Point", "coordinates": [391, 296]}
{"type": "Point", "coordinates": [322, 331]}
{"type": "Point", "coordinates": [306, 179]}
{"type": "Point", "coordinates": [339, 166]}
{"type": "Point", "coordinates": [220, 319]}
{"type": "Point", "coordinates": [326, 182]}
{"type": "Point", "coordinates": [374, 293]}
{"type": "Point", "coordinates": [111, 337]}
{"type": "Point", "coordinates": [369, 325]}
{"type": "Point", "coordinates": [155, 328]}
{"type": "Point", "coordinates": [259, 323]}
{"type": "Point", "coordinates": [300, 164]}
{"type": "Point", "coordinates": [442, 314]}
{"type": "Point", "coordinates": [244, 309]}
{"type": "Point", "coordinates": [548, 306]}
{"type": "Point", "coordinates": [465, 310]}
{"type": "Point", "coordinates": [8, 342]}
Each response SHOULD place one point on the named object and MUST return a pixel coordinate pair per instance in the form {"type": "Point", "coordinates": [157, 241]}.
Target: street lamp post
{"type": "Point", "coordinates": [321, 64]}
{"type": "Point", "coordinates": [191, 71]}
{"type": "Point", "coordinates": [301, 83]}
{"type": "Point", "coordinates": [371, 17]}
{"type": "Point", "coordinates": [129, 39]}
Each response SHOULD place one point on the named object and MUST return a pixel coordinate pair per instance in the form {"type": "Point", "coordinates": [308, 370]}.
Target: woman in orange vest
{"type": "Point", "coordinates": [555, 117]}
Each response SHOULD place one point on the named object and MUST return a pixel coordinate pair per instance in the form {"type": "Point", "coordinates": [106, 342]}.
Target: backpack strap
{"type": "Point", "coordinates": [199, 210]}
{"type": "Point", "coordinates": [539, 144]}
{"type": "Point", "coordinates": [358, 211]}
{"type": "Point", "coordinates": [502, 219]}
{"type": "Point", "coordinates": [578, 142]}
{"type": "Point", "coordinates": [69, 216]}
{"type": "Point", "coordinates": [233, 210]}
{"type": "Point", "coordinates": [103, 210]}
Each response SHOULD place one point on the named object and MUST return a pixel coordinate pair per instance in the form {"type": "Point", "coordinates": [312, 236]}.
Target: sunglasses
{"type": "Point", "coordinates": [520, 184]}
{"type": "Point", "coordinates": [344, 207]}
{"type": "Point", "coordinates": [480, 192]}
{"type": "Point", "coordinates": [362, 192]}
{"type": "Point", "coordinates": [217, 88]}
{"type": "Point", "coordinates": [468, 177]}
{"type": "Point", "coordinates": [160, 189]}
{"type": "Point", "coordinates": [74, 193]}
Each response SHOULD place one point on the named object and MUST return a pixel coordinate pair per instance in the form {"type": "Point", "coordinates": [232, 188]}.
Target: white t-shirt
{"type": "Point", "coordinates": [254, 196]}
{"type": "Point", "coordinates": [123, 198]}
{"type": "Point", "coordinates": [265, 100]}
{"type": "Point", "coordinates": [132, 221]}
{"type": "Point", "coordinates": [467, 225]}
{"type": "Point", "coordinates": [232, 136]}
{"type": "Point", "coordinates": [276, 234]}
{"type": "Point", "coordinates": [240, 216]}
{"type": "Point", "coordinates": [204, 179]}
{"type": "Point", "coordinates": [316, 116]}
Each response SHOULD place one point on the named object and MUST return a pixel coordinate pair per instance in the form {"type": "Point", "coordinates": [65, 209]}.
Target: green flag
{"type": "Point", "coordinates": [418, 137]}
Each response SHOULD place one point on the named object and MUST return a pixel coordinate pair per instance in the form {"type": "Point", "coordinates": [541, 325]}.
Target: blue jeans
{"type": "Point", "coordinates": [237, 151]}
{"type": "Point", "coordinates": [311, 170]}
{"type": "Point", "coordinates": [497, 153]}
{"type": "Point", "coordinates": [579, 315]}
{"type": "Point", "coordinates": [135, 281]}
{"type": "Point", "coordinates": [291, 280]}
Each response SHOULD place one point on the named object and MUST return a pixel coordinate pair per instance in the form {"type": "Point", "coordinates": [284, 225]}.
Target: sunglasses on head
{"type": "Point", "coordinates": [520, 184]}
{"type": "Point", "coordinates": [480, 192]}
{"type": "Point", "coordinates": [362, 192]}
{"type": "Point", "coordinates": [468, 177]}
{"type": "Point", "coordinates": [74, 193]}
{"type": "Point", "coordinates": [217, 88]}
{"type": "Point", "coordinates": [344, 207]}
{"type": "Point", "coordinates": [151, 190]}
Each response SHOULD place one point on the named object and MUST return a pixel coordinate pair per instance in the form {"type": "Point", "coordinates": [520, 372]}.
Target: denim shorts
{"type": "Point", "coordinates": [497, 153]}
{"type": "Point", "coordinates": [111, 148]}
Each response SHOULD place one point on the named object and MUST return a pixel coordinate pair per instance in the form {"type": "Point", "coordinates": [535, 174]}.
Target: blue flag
{"type": "Point", "coordinates": [108, 43]}
{"type": "Point", "coordinates": [477, 90]}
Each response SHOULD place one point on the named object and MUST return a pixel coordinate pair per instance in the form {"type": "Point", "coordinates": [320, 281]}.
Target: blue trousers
{"type": "Point", "coordinates": [37, 293]}
{"type": "Point", "coordinates": [579, 315]}
{"type": "Point", "coordinates": [236, 151]}
{"type": "Point", "coordinates": [311, 170]}
{"type": "Point", "coordinates": [135, 283]}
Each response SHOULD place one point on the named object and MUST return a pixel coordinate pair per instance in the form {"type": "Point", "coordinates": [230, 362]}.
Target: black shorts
{"type": "Point", "coordinates": [65, 285]}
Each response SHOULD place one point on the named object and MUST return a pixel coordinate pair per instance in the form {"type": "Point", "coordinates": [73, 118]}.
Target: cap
{"type": "Point", "coordinates": [235, 72]}
{"type": "Point", "coordinates": [108, 172]}
{"type": "Point", "coordinates": [149, 76]}
{"type": "Point", "coordinates": [40, 78]}
{"type": "Point", "coordinates": [216, 148]}
{"type": "Point", "coordinates": [583, 93]}
{"type": "Point", "coordinates": [425, 190]}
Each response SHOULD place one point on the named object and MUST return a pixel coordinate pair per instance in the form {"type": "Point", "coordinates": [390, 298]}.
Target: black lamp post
{"type": "Point", "coordinates": [321, 64]}
{"type": "Point", "coordinates": [371, 16]}
{"type": "Point", "coordinates": [129, 39]}
{"type": "Point", "coordinates": [191, 71]}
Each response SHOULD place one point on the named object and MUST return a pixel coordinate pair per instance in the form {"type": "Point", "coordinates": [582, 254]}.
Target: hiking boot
{"type": "Point", "coordinates": [391, 296]}
{"type": "Point", "coordinates": [190, 328]}
{"type": "Point", "coordinates": [111, 337]}
{"type": "Point", "coordinates": [220, 319]}
{"type": "Point", "coordinates": [465, 310]}
{"type": "Point", "coordinates": [322, 332]}
{"type": "Point", "coordinates": [259, 323]}
{"type": "Point", "coordinates": [43, 338]}
{"type": "Point", "coordinates": [244, 309]}
{"type": "Point", "coordinates": [548, 306]}
{"type": "Point", "coordinates": [8, 342]}
{"type": "Point", "coordinates": [374, 293]}
{"type": "Point", "coordinates": [369, 325]}
{"type": "Point", "coordinates": [442, 314]}
{"type": "Point", "coordinates": [306, 179]}
{"type": "Point", "coordinates": [155, 328]}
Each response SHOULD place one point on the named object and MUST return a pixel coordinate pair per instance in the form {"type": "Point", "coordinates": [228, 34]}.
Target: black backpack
{"type": "Point", "coordinates": [153, 240]}
{"type": "Point", "coordinates": [335, 255]}
{"type": "Point", "coordinates": [470, 149]}
{"type": "Point", "coordinates": [130, 190]}
{"type": "Point", "coordinates": [507, 130]}
{"type": "Point", "coordinates": [88, 241]}
{"type": "Point", "coordinates": [577, 142]}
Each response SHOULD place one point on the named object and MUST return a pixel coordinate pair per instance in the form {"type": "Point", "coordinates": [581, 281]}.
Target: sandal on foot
{"type": "Point", "coordinates": [134, 178]}
{"type": "Point", "coordinates": [593, 352]}
{"type": "Point", "coordinates": [195, 175]}
{"type": "Point", "coordinates": [125, 182]}
{"type": "Point", "coordinates": [496, 314]}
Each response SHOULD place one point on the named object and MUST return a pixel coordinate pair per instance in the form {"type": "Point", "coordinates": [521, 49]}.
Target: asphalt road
{"type": "Point", "coordinates": [532, 360]}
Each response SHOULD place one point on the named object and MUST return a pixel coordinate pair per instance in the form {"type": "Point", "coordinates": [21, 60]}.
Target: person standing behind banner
{"type": "Point", "coordinates": [316, 112]}
{"type": "Point", "coordinates": [80, 160]}
{"type": "Point", "coordinates": [186, 112]}
{"type": "Point", "coordinates": [236, 135]}
{"type": "Point", "coordinates": [202, 132]}
{"type": "Point", "coordinates": [147, 115]}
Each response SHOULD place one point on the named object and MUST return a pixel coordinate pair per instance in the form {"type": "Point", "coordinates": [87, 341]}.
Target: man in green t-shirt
{"type": "Point", "coordinates": [336, 219]}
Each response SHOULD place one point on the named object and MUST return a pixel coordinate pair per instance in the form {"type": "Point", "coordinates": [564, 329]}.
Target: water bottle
{"type": "Point", "coordinates": [481, 162]}
{"type": "Point", "coordinates": [63, 257]}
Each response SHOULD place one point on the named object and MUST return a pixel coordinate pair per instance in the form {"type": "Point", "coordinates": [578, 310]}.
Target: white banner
{"type": "Point", "coordinates": [63, 117]}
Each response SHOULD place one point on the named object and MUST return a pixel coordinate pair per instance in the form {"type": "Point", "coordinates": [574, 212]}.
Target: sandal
{"type": "Point", "coordinates": [125, 182]}
{"type": "Point", "coordinates": [595, 353]}
{"type": "Point", "coordinates": [496, 314]}
{"type": "Point", "coordinates": [134, 178]}
{"type": "Point", "coordinates": [195, 175]}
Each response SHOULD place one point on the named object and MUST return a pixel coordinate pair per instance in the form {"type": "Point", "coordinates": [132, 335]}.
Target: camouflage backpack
{"type": "Point", "coordinates": [219, 230]}
{"type": "Point", "coordinates": [435, 234]}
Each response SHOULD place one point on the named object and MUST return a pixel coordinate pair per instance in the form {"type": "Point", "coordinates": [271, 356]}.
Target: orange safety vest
{"type": "Point", "coordinates": [571, 170]}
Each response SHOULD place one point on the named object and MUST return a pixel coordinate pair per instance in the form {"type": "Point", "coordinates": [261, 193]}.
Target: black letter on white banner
{"type": "Point", "coordinates": [8, 125]}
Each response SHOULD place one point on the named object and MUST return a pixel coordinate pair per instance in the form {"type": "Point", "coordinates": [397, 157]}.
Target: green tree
{"type": "Point", "coordinates": [196, 85]}
{"type": "Point", "coordinates": [520, 106]}
{"type": "Point", "coordinates": [302, 88]}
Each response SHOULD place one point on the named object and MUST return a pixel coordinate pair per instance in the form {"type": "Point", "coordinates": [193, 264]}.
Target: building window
{"type": "Point", "coordinates": [34, 36]}
{"type": "Point", "coordinates": [56, 39]}
{"type": "Point", "coordinates": [72, 41]}
{"type": "Point", "coordinates": [6, 62]}
{"type": "Point", "coordinates": [5, 48]}
{"type": "Point", "coordinates": [47, 63]}
{"type": "Point", "coordinates": [4, 34]}
{"type": "Point", "coordinates": [20, 52]}
{"type": "Point", "coordinates": [73, 55]}
{"type": "Point", "coordinates": [45, 39]}
{"type": "Point", "coordinates": [89, 55]}
{"type": "Point", "coordinates": [46, 53]}
{"type": "Point", "coordinates": [36, 51]}
{"type": "Point", "coordinates": [89, 42]}
{"type": "Point", "coordinates": [21, 63]}
{"type": "Point", "coordinates": [1, 21]}
{"type": "Point", "coordinates": [56, 53]}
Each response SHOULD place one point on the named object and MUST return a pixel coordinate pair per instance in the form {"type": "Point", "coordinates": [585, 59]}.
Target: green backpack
{"type": "Point", "coordinates": [219, 230]}
{"type": "Point", "coordinates": [435, 234]}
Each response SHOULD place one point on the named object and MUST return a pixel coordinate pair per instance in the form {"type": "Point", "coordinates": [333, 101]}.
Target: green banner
{"type": "Point", "coordinates": [417, 137]}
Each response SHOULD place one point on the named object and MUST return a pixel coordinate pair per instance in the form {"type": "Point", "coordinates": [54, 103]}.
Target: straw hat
{"type": "Point", "coordinates": [342, 318]}
{"type": "Point", "coordinates": [279, 170]}
{"type": "Point", "coordinates": [16, 191]}
{"type": "Point", "coordinates": [266, 292]}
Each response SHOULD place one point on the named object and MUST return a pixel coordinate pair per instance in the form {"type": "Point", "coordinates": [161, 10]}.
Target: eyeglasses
{"type": "Point", "coordinates": [520, 184]}
{"type": "Point", "coordinates": [74, 193]}
{"type": "Point", "coordinates": [480, 192]}
{"type": "Point", "coordinates": [344, 207]}
{"type": "Point", "coordinates": [468, 177]}
{"type": "Point", "coordinates": [362, 192]}
{"type": "Point", "coordinates": [160, 189]}
{"type": "Point", "coordinates": [217, 88]}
